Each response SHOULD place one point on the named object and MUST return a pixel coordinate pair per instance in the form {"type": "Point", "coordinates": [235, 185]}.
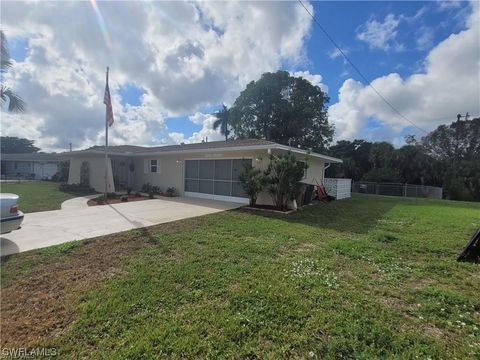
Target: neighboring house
{"type": "Point", "coordinates": [206, 170]}
{"type": "Point", "coordinates": [38, 166]}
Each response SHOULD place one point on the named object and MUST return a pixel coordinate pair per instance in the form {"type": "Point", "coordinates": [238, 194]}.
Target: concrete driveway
{"type": "Point", "coordinates": [48, 228]}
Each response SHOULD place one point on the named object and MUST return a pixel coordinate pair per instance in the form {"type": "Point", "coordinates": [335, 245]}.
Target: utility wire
{"type": "Point", "coordinates": [367, 82]}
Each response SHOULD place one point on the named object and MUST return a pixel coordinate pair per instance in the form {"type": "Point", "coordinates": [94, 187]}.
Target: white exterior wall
{"type": "Point", "coordinates": [315, 171]}
{"type": "Point", "coordinates": [96, 164]}
{"type": "Point", "coordinates": [171, 169]}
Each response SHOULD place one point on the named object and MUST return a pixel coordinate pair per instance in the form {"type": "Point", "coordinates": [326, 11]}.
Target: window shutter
{"type": "Point", "coordinates": [146, 169]}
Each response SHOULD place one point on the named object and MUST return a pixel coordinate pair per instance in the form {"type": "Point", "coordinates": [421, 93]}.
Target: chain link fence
{"type": "Point", "coordinates": [398, 189]}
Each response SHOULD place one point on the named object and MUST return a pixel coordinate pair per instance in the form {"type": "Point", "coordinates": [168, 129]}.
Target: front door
{"type": "Point", "coordinates": [120, 174]}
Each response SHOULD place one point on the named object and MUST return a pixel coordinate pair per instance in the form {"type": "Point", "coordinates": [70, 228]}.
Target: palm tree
{"type": "Point", "coordinates": [222, 122]}
{"type": "Point", "coordinates": [16, 104]}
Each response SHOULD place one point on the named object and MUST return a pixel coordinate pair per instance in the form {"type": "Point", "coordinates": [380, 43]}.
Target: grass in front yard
{"type": "Point", "coordinates": [38, 195]}
{"type": "Point", "coordinates": [368, 277]}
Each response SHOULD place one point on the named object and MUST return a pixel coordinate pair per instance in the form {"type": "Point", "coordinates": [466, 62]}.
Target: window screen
{"type": "Point", "coordinates": [191, 169]}
{"type": "Point", "coordinates": [206, 186]}
{"type": "Point", "coordinates": [218, 177]}
{"type": "Point", "coordinates": [206, 169]}
{"type": "Point", "coordinates": [237, 190]}
{"type": "Point", "coordinates": [239, 166]}
{"type": "Point", "coordinates": [223, 169]}
{"type": "Point", "coordinates": [191, 185]}
{"type": "Point", "coordinates": [223, 188]}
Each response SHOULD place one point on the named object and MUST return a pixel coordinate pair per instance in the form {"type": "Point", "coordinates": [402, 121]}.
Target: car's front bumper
{"type": "Point", "coordinates": [11, 223]}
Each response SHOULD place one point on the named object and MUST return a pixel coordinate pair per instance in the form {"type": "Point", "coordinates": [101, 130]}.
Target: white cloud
{"type": "Point", "coordinates": [177, 137]}
{"type": "Point", "coordinates": [449, 84]}
{"type": "Point", "coordinates": [448, 4]}
{"type": "Point", "coordinates": [185, 55]}
{"type": "Point", "coordinates": [198, 118]}
{"type": "Point", "coordinates": [335, 53]}
{"type": "Point", "coordinates": [206, 132]}
{"type": "Point", "coordinates": [315, 79]}
{"type": "Point", "coordinates": [380, 35]}
{"type": "Point", "coordinates": [424, 39]}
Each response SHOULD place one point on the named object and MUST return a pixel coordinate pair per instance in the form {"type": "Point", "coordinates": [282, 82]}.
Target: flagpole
{"type": "Point", "coordinates": [106, 149]}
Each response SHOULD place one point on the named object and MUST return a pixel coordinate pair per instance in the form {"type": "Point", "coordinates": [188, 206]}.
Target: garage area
{"type": "Point", "coordinates": [216, 179]}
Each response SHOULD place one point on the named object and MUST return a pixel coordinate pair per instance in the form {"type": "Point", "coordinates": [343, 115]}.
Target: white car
{"type": "Point", "coordinates": [11, 217]}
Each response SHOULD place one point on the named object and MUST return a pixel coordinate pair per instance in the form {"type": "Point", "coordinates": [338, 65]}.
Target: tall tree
{"type": "Point", "coordinates": [15, 145]}
{"type": "Point", "coordinates": [381, 154]}
{"type": "Point", "coordinates": [15, 102]}
{"type": "Point", "coordinates": [457, 147]}
{"type": "Point", "coordinates": [458, 141]}
{"type": "Point", "coordinates": [355, 156]}
{"type": "Point", "coordinates": [415, 166]}
{"type": "Point", "coordinates": [222, 121]}
{"type": "Point", "coordinates": [284, 109]}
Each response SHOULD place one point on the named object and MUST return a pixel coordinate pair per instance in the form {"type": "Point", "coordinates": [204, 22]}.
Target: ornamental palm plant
{"type": "Point", "coordinates": [16, 104]}
{"type": "Point", "coordinates": [222, 121]}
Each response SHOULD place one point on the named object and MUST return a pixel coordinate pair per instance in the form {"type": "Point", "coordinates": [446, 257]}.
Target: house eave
{"type": "Point", "coordinates": [213, 150]}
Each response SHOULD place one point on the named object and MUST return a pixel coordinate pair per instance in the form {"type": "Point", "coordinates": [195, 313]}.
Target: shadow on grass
{"type": "Point", "coordinates": [357, 214]}
{"type": "Point", "coordinates": [79, 193]}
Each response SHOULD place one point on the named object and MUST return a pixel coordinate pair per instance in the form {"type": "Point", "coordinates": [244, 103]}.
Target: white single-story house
{"type": "Point", "coordinates": [38, 166]}
{"type": "Point", "coordinates": [207, 170]}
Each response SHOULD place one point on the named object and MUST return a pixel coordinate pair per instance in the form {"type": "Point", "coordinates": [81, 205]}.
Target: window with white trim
{"type": "Point", "coordinates": [153, 165]}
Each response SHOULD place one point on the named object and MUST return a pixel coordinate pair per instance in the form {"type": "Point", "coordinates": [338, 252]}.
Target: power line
{"type": "Point", "coordinates": [358, 70]}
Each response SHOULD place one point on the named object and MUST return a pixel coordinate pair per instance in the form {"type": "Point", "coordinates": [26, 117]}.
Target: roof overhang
{"type": "Point", "coordinates": [326, 158]}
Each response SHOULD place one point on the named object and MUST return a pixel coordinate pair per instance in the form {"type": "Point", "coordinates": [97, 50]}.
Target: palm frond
{"type": "Point", "coordinates": [217, 123]}
{"type": "Point", "coordinates": [222, 121]}
{"type": "Point", "coordinates": [16, 104]}
{"type": "Point", "coordinates": [5, 62]}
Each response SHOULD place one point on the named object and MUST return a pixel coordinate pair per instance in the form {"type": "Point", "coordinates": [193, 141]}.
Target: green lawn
{"type": "Point", "coordinates": [37, 196]}
{"type": "Point", "coordinates": [364, 278]}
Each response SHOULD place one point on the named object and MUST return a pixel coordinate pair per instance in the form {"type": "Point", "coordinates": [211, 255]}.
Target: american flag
{"type": "Point", "coordinates": [108, 103]}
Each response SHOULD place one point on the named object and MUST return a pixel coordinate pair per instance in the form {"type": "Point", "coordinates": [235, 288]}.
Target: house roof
{"type": "Point", "coordinates": [33, 157]}
{"type": "Point", "coordinates": [229, 145]}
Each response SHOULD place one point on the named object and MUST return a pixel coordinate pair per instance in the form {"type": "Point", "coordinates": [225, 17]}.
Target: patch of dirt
{"type": "Point", "coordinates": [395, 303]}
{"type": "Point", "coordinates": [305, 247]}
{"type": "Point", "coordinates": [39, 304]}
{"type": "Point", "coordinates": [420, 284]}
{"type": "Point", "coordinates": [433, 331]}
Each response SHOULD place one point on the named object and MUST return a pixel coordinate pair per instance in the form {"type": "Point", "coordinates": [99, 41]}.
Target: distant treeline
{"type": "Point", "coordinates": [448, 156]}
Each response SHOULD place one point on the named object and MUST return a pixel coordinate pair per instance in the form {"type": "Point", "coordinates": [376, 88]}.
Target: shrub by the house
{"type": "Point", "coordinates": [283, 176]}
{"type": "Point", "coordinates": [253, 182]}
{"type": "Point", "coordinates": [171, 191]}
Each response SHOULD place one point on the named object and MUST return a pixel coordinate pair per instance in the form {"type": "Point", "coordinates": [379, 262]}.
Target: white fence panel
{"type": "Point", "coordinates": [338, 188]}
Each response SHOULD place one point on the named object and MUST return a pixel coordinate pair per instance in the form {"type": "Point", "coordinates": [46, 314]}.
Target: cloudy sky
{"type": "Point", "coordinates": [174, 63]}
